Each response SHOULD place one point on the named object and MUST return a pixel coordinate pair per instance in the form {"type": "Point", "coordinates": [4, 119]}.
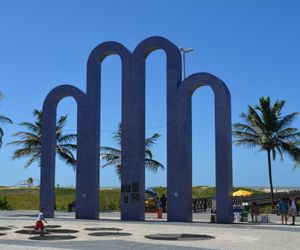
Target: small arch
{"type": "Point", "coordinates": [47, 192]}
{"type": "Point", "coordinates": [223, 144]}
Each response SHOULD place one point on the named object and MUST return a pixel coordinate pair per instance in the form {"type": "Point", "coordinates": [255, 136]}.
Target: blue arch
{"type": "Point", "coordinates": [47, 192]}
{"type": "Point", "coordinates": [223, 143]}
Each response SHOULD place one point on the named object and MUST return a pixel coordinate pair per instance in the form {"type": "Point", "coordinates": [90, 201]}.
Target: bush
{"type": "Point", "coordinates": [113, 206]}
{"type": "Point", "coordinates": [4, 203]}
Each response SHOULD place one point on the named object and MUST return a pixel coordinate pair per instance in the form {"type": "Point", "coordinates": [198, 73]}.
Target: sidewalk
{"type": "Point", "coordinates": [235, 236]}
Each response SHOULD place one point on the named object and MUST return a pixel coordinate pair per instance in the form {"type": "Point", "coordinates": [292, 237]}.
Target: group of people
{"type": "Point", "coordinates": [287, 207]}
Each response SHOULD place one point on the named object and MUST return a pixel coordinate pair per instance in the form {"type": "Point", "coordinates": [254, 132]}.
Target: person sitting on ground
{"type": "Point", "coordinates": [39, 221]}
{"type": "Point", "coordinates": [293, 209]}
{"type": "Point", "coordinates": [283, 209]}
{"type": "Point", "coordinates": [254, 211]}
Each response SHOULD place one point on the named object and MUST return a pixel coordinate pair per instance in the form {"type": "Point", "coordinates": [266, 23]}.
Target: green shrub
{"type": "Point", "coordinates": [113, 206]}
{"type": "Point", "coordinates": [4, 204]}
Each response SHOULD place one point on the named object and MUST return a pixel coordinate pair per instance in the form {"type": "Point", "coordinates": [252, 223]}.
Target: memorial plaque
{"type": "Point", "coordinates": [125, 199]}
{"type": "Point", "coordinates": [135, 187]}
{"type": "Point", "coordinates": [135, 197]}
{"type": "Point", "coordinates": [126, 189]}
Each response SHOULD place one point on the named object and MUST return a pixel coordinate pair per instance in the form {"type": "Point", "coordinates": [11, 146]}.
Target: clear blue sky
{"type": "Point", "coordinates": [254, 46]}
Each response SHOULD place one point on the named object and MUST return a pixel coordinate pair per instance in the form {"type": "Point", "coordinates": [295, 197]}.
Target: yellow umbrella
{"type": "Point", "coordinates": [242, 192]}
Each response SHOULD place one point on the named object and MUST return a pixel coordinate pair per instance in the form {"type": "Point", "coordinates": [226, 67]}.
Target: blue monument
{"type": "Point", "coordinates": [179, 136]}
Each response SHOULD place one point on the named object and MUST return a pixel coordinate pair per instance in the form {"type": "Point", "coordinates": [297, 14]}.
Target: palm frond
{"type": "Point", "coordinates": [118, 134]}
{"type": "Point", "coordinates": [119, 171]}
{"type": "Point", "coordinates": [286, 121]}
{"type": "Point", "coordinates": [30, 141]}
{"type": "Point", "coordinates": [67, 138]}
{"type": "Point", "coordinates": [111, 159]}
{"type": "Point", "coordinates": [61, 122]}
{"type": "Point", "coordinates": [287, 135]}
{"type": "Point", "coordinates": [34, 158]}
{"type": "Point", "coordinates": [4, 119]}
{"type": "Point", "coordinates": [110, 150]}
{"type": "Point", "coordinates": [25, 152]}
{"type": "Point", "coordinates": [148, 154]}
{"type": "Point", "coordinates": [113, 156]}
{"type": "Point", "coordinates": [69, 146]}
{"type": "Point", "coordinates": [149, 142]}
{"type": "Point", "coordinates": [244, 127]}
{"type": "Point", "coordinates": [67, 156]}
{"type": "Point", "coordinates": [26, 135]}
{"type": "Point", "coordinates": [246, 142]}
{"type": "Point", "coordinates": [153, 165]}
{"type": "Point", "coordinates": [1, 136]}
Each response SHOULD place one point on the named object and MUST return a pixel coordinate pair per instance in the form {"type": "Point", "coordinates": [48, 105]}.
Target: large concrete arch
{"type": "Point", "coordinates": [182, 171]}
{"type": "Point", "coordinates": [47, 191]}
{"type": "Point", "coordinates": [133, 121]}
{"type": "Point", "coordinates": [95, 60]}
{"type": "Point", "coordinates": [133, 135]}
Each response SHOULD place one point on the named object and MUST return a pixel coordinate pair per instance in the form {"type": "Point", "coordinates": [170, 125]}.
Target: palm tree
{"type": "Point", "coordinates": [30, 141]}
{"type": "Point", "coordinates": [3, 119]}
{"type": "Point", "coordinates": [266, 128]}
{"type": "Point", "coordinates": [112, 156]}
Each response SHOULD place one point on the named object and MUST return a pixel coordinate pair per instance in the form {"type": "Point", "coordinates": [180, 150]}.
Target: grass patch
{"type": "Point", "coordinates": [24, 198]}
{"type": "Point", "coordinates": [28, 198]}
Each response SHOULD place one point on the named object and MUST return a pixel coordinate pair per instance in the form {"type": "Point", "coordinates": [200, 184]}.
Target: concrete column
{"type": "Point", "coordinates": [47, 180]}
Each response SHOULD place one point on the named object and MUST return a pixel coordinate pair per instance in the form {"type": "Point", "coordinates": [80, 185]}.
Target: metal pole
{"type": "Point", "coordinates": [184, 51]}
{"type": "Point", "coordinates": [183, 55]}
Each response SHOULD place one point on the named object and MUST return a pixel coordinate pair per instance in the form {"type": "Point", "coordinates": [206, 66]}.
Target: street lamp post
{"type": "Point", "coordinates": [184, 51]}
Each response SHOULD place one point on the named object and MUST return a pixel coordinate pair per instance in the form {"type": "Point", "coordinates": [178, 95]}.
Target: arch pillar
{"type": "Point", "coordinates": [48, 150]}
{"type": "Point", "coordinates": [181, 174]}
{"type": "Point", "coordinates": [133, 120]}
{"type": "Point", "coordinates": [96, 57]}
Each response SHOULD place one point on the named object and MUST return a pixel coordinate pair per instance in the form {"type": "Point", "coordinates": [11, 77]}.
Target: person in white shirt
{"type": "Point", "coordinates": [39, 221]}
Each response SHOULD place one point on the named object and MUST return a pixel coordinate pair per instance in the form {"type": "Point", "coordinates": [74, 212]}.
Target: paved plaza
{"type": "Point", "coordinates": [236, 236]}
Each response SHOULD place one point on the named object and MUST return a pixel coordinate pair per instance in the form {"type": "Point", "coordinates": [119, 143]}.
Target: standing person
{"type": "Point", "coordinates": [283, 209]}
{"type": "Point", "coordinates": [157, 203]}
{"type": "Point", "coordinates": [163, 202]}
{"type": "Point", "coordinates": [39, 221]}
{"type": "Point", "coordinates": [293, 209]}
{"type": "Point", "coordinates": [254, 211]}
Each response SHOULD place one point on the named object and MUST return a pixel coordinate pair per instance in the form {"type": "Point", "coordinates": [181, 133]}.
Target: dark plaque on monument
{"type": "Point", "coordinates": [135, 187]}
{"type": "Point", "coordinates": [135, 197]}
{"type": "Point", "coordinates": [125, 199]}
{"type": "Point", "coordinates": [125, 189]}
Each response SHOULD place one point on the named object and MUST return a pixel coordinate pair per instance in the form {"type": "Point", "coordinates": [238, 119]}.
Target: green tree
{"type": "Point", "coordinates": [30, 141]}
{"type": "Point", "coordinates": [266, 128]}
{"type": "Point", "coordinates": [112, 156]}
{"type": "Point", "coordinates": [29, 181]}
{"type": "Point", "coordinates": [3, 119]}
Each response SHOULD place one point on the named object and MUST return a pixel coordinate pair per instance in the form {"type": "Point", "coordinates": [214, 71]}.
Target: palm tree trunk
{"type": "Point", "coordinates": [270, 177]}
{"type": "Point", "coordinates": [54, 199]}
